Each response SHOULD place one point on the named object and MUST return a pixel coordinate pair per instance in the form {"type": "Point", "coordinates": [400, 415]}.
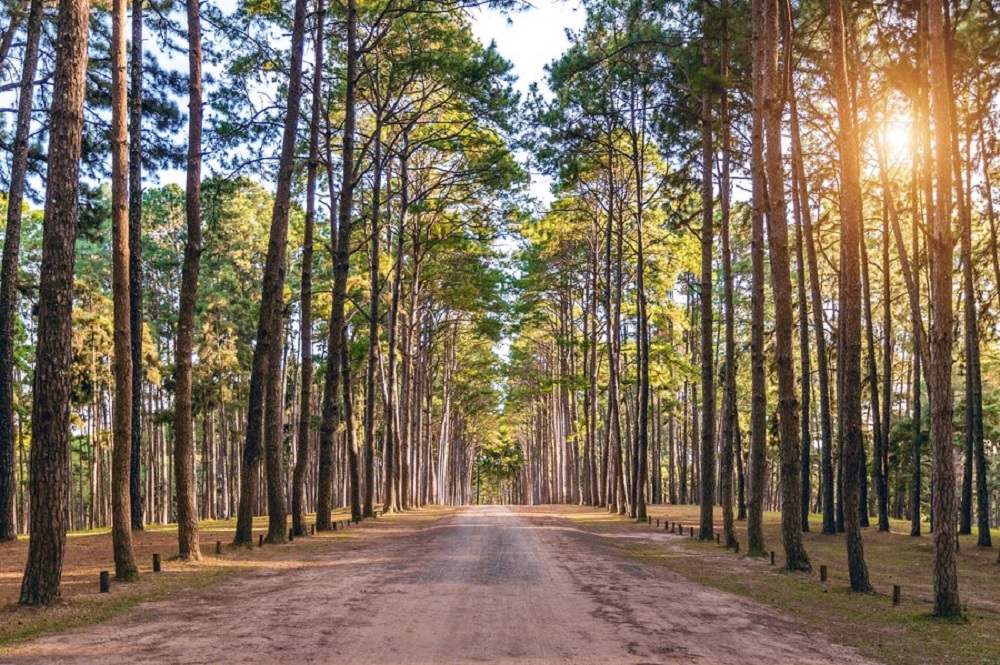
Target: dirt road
{"type": "Point", "coordinates": [491, 585]}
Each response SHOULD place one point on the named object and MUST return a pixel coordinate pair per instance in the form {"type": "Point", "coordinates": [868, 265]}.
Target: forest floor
{"type": "Point", "coordinates": [89, 552]}
{"type": "Point", "coordinates": [903, 635]}
{"type": "Point", "coordinates": [486, 584]}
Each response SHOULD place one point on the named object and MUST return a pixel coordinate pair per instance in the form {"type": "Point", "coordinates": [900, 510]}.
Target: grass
{"type": "Point", "coordinates": [904, 635]}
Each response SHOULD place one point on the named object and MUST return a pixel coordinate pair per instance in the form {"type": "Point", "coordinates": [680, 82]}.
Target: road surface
{"type": "Point", "coordinates": [485, 585]}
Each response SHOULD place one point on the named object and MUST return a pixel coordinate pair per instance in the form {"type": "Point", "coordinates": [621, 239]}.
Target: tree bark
{"type": "Point", "coordinates": [816, 298]}
{"type": "Point", "coordinates": [8, 273]}
{"type": "Point", "coordinates": [707, 495]}
{"type": "Point", "coordinates": [758, 405]}
{"type": "Point", "coordinates": [187, 516]}
{"type": "Point", "coordinates": [373, 341]}
{"type": "Point", "coordinates": [271, 305]}
{"type": "Point", "coordinates": [121, 525]}
{"type": "Point", "coordinates": [48, 483]}
{"type": "Point", "coordinates": [850, 300]}
{"type": "Point", "coordinates": [940, 249]}
{"type": "Point", "coordinates": [796, 558]}
{"type": "Point", "coordinates": [342, 255]}
{"type": "Point", "coordinates": [305, 299]}
{"type": "Point", "coordinates": [135, 263]}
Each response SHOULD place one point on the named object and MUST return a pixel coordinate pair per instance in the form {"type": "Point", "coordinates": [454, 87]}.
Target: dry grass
{"type": "Point", "coordinates": [904, 635]}
{"type": "Point", "coordinates": [88, 553]}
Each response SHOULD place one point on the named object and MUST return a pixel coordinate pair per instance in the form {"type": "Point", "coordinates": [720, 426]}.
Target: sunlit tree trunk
{"type": "Point", "coordinates": [121, 525]}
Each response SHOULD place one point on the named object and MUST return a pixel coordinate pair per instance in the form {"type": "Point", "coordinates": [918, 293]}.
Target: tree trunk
{"type": "Point", "coordinates": [8, 274]}
{"type": "Point", "coordinates": [373, 342]}
{"type": "Point", "coordinates": [305, 299]}
{"type": "Point", "coordinates": [121, 526]}
{"type": "Point", "coordinates": [392, 435]}
{"type": "Point", "coordinates": [873, 382]}
{"type": "Point", "coordinates": [135, 263]}
{"type": "Point", "coordinates": [707, 494]}
{"type": "Point", "coordinates": [940, 251]}
{"type": "Point", "coordinates": [850, 302]}
{"type": "Point", "coordinates": [758, 406]}
{"type": "Point", "coordinates": [777, 228]}
{"type": "Point", "coordinates": [187, 517]}
{"type": "Point", "coordinates": [882, 461]}
{"type": "Point", "coordinates": [822, 362]}
{"type": "Point", "coordinates": [50, 411]}
{"type": "Point", "coordinates": [342, 255]}
{"type": "Point", "coordinates": [271, 305]}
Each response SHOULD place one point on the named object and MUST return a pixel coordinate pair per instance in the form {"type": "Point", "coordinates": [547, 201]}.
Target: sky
{"type": "Point", "coordinates": [530, 40]}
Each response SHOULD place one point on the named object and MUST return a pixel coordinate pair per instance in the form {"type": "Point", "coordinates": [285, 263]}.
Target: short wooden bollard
{"type": "Point", "coordinates": [156, 563]}
{"type": "Point", "coordinates": [105, 581]}
{"type": "Point", "coordinates": [897, 593]}
{"type": "Point", "coordinates": [291, 534]}
{"type": "Point", "coordinates": [822, 574]}
{"type": "Point", "coordinates": [718, 539]}
{"type": "Point", "coordinates": [772, 557]}
{"type": "Point", "coordinates": [692, 532]}
{"type": "Point", "coordinates": [218, 547]}
{"type": "Point", "coordinates": [312, 530]}
{"type": "Point", "coordinates": [260, 540]}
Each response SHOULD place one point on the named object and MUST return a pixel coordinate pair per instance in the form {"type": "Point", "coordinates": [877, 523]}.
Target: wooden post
{"type": "Point", "coordinates": [105, 582]}
{"type": "Point", "coordinates": [897, 592]}
{"type": "Point", "coordinates": [312, 530]}
{"type": "Point", "coordinates": [718, 539]}
{"type": "Point", "coordinates": [156, 563]}
{"type": "Point", "coordinates": [822, 573]}
{"type": "Point", "coordinates": [691, 531]}
{"type": "Point", "coordinates": [218, 547]}
{"type": "Point", "coordinates": [772, 557]}
{"type": "Point", "coordinates": [291, 534]}
{"type": "Point", "coordinates": [260, 540]}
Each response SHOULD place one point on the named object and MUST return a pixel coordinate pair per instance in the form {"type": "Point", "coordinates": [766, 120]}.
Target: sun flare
{"type": "Point", "coordinates": [897, 136]}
